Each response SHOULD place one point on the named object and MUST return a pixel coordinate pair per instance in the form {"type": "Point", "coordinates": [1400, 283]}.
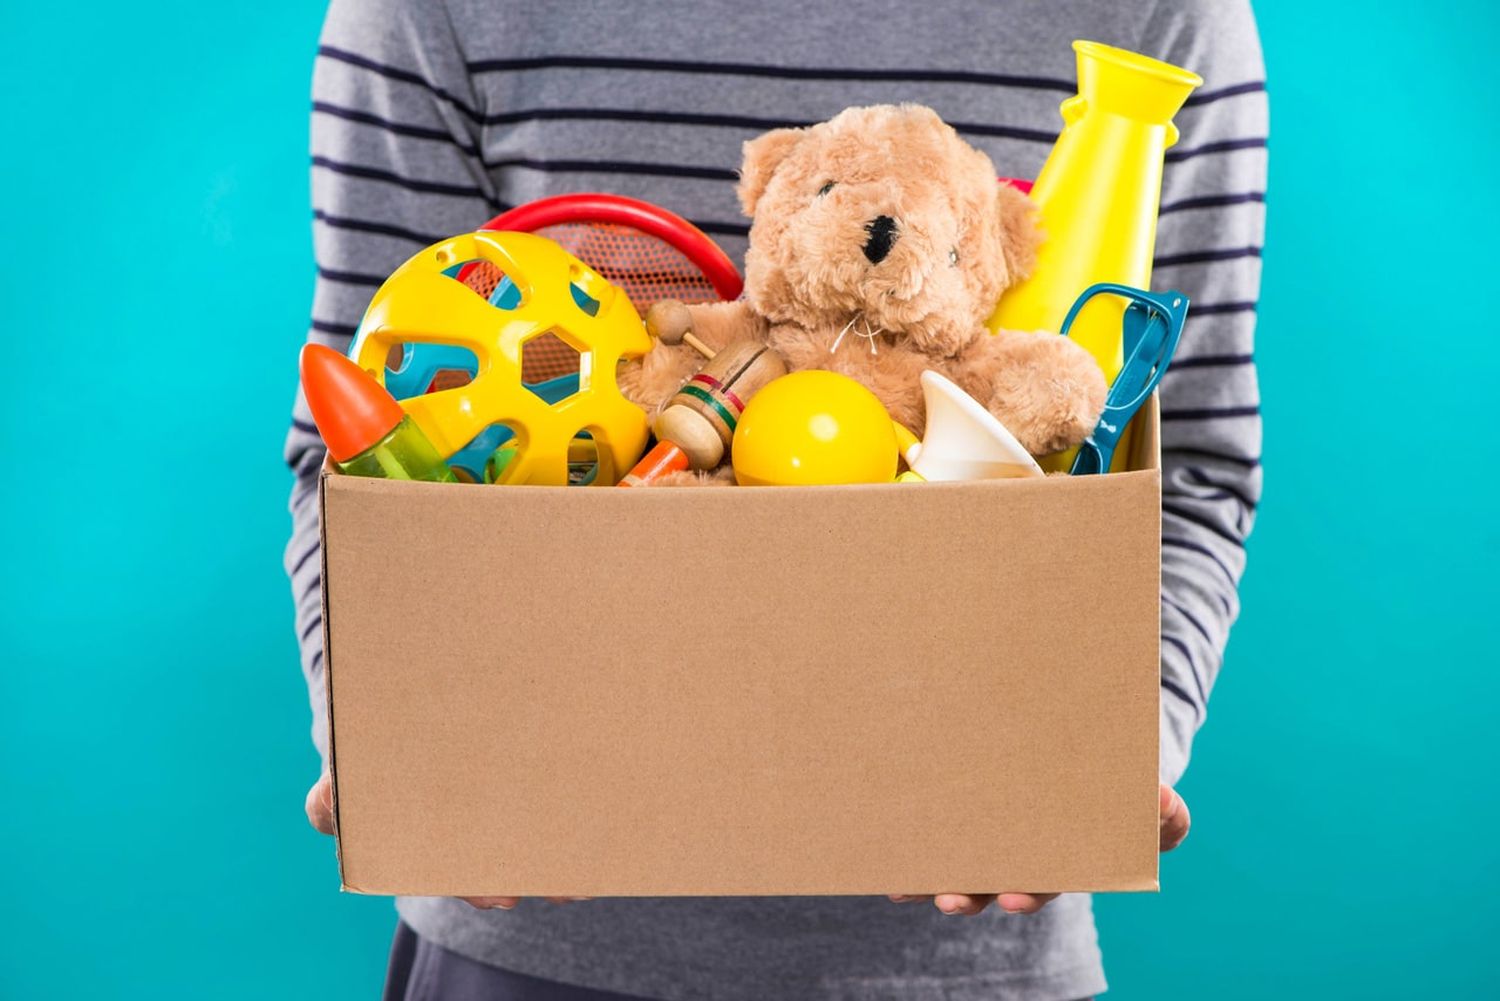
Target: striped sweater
{"type": "Point", "coordinates": [428, 118]}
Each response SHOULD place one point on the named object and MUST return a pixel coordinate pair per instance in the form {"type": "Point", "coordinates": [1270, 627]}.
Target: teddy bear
{"type": "Point", "coordinates": [880, 242]}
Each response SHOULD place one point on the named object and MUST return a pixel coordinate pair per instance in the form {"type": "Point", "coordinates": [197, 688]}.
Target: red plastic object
{"type": "Point", "coordinates": [653, 220]}
{"type": "Point", "coordinates": [351, 409]}
{"type": "Point", "coordinates": [1020, 184]}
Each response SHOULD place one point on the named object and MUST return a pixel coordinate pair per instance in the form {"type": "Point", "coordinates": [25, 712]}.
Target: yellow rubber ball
{"type": "Point", "coordinates": [812, 428]}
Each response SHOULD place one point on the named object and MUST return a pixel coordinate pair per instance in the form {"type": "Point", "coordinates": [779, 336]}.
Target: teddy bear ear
{"type": "Point", "coordinates": [1020, 232]}
{"type": "Point", "coordinates": [762, 156]}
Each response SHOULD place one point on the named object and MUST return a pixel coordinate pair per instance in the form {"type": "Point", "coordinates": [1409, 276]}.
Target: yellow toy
{"type": "Point", "coordinates": [813, 428]}
{"type": "Point", "coordinates": [1098, 194]}
{"type": "Point", "coordinates": [559, 294]}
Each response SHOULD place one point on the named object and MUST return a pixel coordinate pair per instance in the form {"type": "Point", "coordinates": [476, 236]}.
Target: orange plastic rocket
{"type": "Point", "coordinates": [365, 429]}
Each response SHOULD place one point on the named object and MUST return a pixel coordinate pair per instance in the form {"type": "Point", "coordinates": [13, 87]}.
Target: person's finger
{"type": "Point", "coordinates": [909, 898]}
{"type": "Point", "coordinates": [1175, 819]}
{"type": "Point", "coordinates": [491, 903]}
{"type": "Point", "coordinates": [1024, 903]}
{"type": "Point", "coordinates": [319, 805]}
{"type": "Point", "coordinates": [967, 904]}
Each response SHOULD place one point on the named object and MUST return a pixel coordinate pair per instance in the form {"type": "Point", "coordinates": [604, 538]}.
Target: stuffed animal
{"type": "Point", "coordinates": [879, 243]}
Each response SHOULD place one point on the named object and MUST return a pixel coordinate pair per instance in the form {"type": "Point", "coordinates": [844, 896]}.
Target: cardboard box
{"type": "Point", "coordinates": [829, 690]}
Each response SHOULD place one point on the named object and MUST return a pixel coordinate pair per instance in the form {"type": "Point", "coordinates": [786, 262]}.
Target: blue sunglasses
{"type": "Point", "coordinates": [1151, 327]}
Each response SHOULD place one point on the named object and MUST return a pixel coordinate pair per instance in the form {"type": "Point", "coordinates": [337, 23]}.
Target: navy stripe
{"type": "Point", "coordinates": [335, 329]}
{"type": "Point", "coordinates": [1175, 543]}
{"type": "Point", "coordinates": [391, 72]}
{"type": "Point", "coordinates": [618, 167]}
{"type": "Point", "coordinates": [723, 228]}
{"type": "Point", "coordinates": [382, 228]}
{"type": "Point", "coordinates": [749, 123]}
{"type": "Point", "coordinates": [1212, 202]}
{"type": "Point", "coordinates": [1205, 453]}
{"type": "Point", "coordinates": [351, 277]}
{"type": "Point", "coordinates": [294, 461]}
{"type": "Point", "coordinates": [309, 463]}
{"type": "Point", "coordinates": [317, 658]}
{"type": "Point", "coordinates": [1234, 90]}
{"type": "Point", "coordinates": [1184, 696]}
{"type": "Point", "coordinates": [1206, 256]}
{"type": "Point", "coordinates": [308, 426]}
{"type": "Point", "coordinates": [1220, 308]}
{"type": "Point", "coordinates": [1223, 146]}
{"type": "Point", "coordinates": [1209, 413]}
{"type": "Point", "coordinates": [313, 586]}
{"type": "Point", "coordinates": [411, 184]}
{"type": "Point", "coordinates": [1202, 478]}
{"type": "Point", "coordinates": [1212, 361]}
{"type": "Point", "coordinates": [1192, 669]}
{"type": "Point", "coordinates": [311, 627]}
{"type": "Point", "coordinates": [1192, 620]}
{"type": "Point", "coordinates": [302, 560]}
{"type": "Point", "coordinates": [1202, 521]}
{"type": "Point", "coordinates": [772, 72]}
{"type": "Point", "coordinates": [398, 128]}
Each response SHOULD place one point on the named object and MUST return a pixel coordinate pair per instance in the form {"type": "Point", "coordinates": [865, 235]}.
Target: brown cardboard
{"type": "Point", "coordinates": [842, 690]}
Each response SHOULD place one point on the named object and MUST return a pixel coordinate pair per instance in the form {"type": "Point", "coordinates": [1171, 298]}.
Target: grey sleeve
{"type": "Point", "coordinates": [395, 166]}
{"type": "Point", "coordinates": [1209, 241]}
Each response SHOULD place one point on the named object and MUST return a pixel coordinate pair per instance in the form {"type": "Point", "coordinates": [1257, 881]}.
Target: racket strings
{"type": "Point", "coordinates": [645, 268]}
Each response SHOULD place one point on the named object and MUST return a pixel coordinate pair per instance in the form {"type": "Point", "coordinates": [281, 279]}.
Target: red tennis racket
{"type": "Point", "coordinates": [649, 252]}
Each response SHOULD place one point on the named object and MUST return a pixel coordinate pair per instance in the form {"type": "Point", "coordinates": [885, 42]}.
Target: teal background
{"type": "Point", "coordinates": [157, 274]}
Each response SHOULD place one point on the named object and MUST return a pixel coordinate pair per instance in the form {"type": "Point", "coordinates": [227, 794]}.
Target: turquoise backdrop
{"type": "Point", "coordinates": [157, 272]}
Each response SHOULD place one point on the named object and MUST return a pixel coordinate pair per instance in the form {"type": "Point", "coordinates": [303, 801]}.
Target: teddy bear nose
{"type": "Point", "coordinates": [882, 232]}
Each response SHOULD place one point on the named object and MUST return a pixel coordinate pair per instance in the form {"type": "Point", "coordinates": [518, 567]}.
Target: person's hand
{"type": "Point", "coordinates": [319, 804]}
{"type": "Point", "coordinates": [1175, 821]}
{"type": "Point", "coordinates": [319, 808]}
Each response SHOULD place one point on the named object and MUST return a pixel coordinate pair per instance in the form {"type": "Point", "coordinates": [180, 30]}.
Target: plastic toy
{"type": "Point", "coordinates": [1152, 325]}
{"type": "Point", "coordinates": [697, 425]}
{"type": "Point", "coordinates": [963, 441]}
{"type": "Point", "coordinates": [472, 462]}
{"type": "Point", "coordinates": [365, 429]}
{"type": "Point", "coordinates": [814, 427]}
{"type": "Point", "coordinates": [1098, 195]}
{"type": "Point", "coordinates": [667, 256]}
{"type": "Point", "coordinates": [558, 295]}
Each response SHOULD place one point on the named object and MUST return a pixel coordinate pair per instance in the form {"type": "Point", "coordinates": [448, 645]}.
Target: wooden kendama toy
{"type": "Point", "coordinates": [695, 428]}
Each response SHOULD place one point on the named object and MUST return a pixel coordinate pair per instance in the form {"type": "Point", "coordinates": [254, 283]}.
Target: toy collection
{"type": "Point", "coordinates": [895, 313]}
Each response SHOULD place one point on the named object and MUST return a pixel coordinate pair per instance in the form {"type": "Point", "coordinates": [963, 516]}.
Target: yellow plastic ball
{"type": "Point", "coordinates": [813, 428]}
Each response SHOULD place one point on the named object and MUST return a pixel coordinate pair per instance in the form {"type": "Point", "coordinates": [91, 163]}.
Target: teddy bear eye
{"type": "Point", "coordinates": [953, 256]}
{"type": "Point", "coordinates": [827, 187]}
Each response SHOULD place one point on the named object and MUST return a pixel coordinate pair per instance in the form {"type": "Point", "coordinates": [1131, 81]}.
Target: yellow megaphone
{"type": "Point", "coordinates": [964, 441]}
{"type": "Point", "coordinates": [1097, 196]}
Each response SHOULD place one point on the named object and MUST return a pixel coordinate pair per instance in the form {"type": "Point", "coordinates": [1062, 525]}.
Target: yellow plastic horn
{"type": "Point", "coordinates": [1098, 194]}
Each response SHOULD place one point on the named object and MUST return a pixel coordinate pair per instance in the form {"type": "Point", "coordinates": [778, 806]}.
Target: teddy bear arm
{"type": "Point", "coordinates": [1045, 389]}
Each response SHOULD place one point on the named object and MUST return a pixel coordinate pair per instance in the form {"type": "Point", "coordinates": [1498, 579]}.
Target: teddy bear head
{"type": "Point", "coordinates": [883, 213]}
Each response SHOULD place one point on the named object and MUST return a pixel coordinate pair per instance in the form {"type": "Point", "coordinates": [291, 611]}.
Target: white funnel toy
{"type": "Point", "coordinates": [964, 441]}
